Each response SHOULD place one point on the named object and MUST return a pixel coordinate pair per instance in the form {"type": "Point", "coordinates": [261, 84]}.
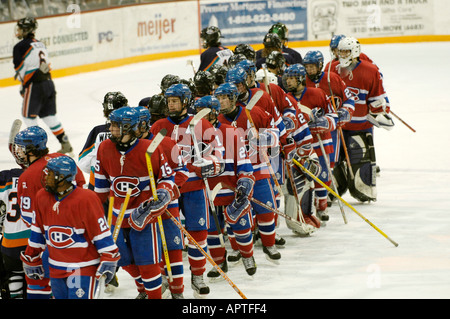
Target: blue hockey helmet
{"type": "Point", "coordinates": [64, 168]}
{"type": "Point", "coordinates": [295, 70]}
{"type": "Point", "coordinates": [208, 101]}
{"type": "Point", "coordinates": [180, 90]}
{"type": "Point", "coordinates": [316, 58]}
{"type": "Point", "coordinates": [32, 138]}
{"type": "Point", "coordinates": [127, 119]}
{"type": "Point", "coordinates": [230, 90]}
{"type": "Point", "coordinates": [144, 118]}
{"type": "Point", "coordinates": [248, 65]}
{"type": "Point", "coordinates": [236, 75]}
{"type": "Point", "coordinates": [334, 42]}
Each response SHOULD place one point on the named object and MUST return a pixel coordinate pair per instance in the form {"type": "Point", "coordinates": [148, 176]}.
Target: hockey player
{"type": "Point", "coordinates": [86, 159]}
{"type": "Point", "coordinates": [219, 73]}
{"type": "Point", "coordinates": [15, 234]}
{"type": "Point", "coordinates": [193, 201]}
{"type": "Point", "coordinates": [271, 42]}
{"type": "Point", "coordinates": [234, 209]}
{"type": "Point", "coordinates": [283, 32]}
{"type": "Point", "coordinates": [322, 122]}
{"type": "Point", "coordinates": [203, 83]}
{"type": "Point", "coordinates": [121, 165]}
{"type": "Point", "coordinates": [334, 87]}
{"type": "Point", "coordinates": [71, 225]}
{"type": "Point", "coordinates": [173, 235]}
{"type": "Point", "coordinates": [32, 67]}
{"type": "Point", "coordinates": [334, 42]}
{"type": "Point", "coordinates": [214, 52]}
{"type": "Point", "coordinates": [30, 150]}
{"type": "Point", "coordinates": [247, 50]}
{"type": "Point", "coordinates": [365, 82]}
{"type": "Point", "coordinates": [233, 113]}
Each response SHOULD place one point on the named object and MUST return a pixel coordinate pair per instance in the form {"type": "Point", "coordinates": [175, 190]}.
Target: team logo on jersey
{"type": "Point", "coordinates": [121, 184]}
{"type": "Point", "coordinates": [60, 237]}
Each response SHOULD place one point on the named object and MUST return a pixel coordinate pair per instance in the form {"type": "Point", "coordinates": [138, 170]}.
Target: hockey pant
{"type": "Point", "coordinates": [361, 152]}
{"type": "Point", "coordinates": [195, 208]}
{"type": "Point", "coordinates": [175, 244]}
{"type": "Point", "coordinates": [140, 256]}
{"type": "Point", "coordinates": [264, 218]}
{"type": "Point", "coordinates": [74, 287]}
{"type": "Point", "coordinates": [239, 234]}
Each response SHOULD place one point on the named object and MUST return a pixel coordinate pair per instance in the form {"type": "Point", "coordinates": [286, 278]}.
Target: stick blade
{"type": "Point", "coordinates": [156, 141]}
{"type": "Point", "coordinates": [198, 117]}
{"type": "Point", "coordinates": [254, 100]}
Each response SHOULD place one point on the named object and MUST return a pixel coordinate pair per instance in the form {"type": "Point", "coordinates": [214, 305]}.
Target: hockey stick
{"type": "Point", "coordinates": [101, 281]}
{"type": "Point", "coordinates": [15, 128]}
{"type": "Point", "coordinates": [201, 114]}
{"type": "Point", "coordinates": [339, 197]}
{"type": "Point", "coordinates": [205, 254]}
{"type": "Point", "coordinates": [333, 180]}
{"type": "Point", "coordinates": [406, 124]}
{"type": "Point", "coordinates": [150, 150]}
{"type": "Point", "coordinates": [248, 109]}
{"type": "Point", "coordinates": [191, 63]}
{"type": "Point", "coordinates": [341, 133]}
{"type": "Point", "coordinates": [223, 185]}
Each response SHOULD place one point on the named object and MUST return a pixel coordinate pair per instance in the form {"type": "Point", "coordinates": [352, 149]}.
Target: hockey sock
{"type": "Point", "coordinates": [231, 238]}
{"type": "Point", "coordinates": [176, 264]}
{"type": "Point", "coordinates": [266, 226]}
{"type": "Point", "coordinates": [133, 271]}
{"type": "Point", "coordinates": [216, 251]}
{"type": "Point", "coordinates": [55, 126]}
{"type": "Point", "coordinates": [196, 259]}
{"type": "Point", "coordinates": [244, 242]}
{"type": "Point", "coordinates": [151, 277]}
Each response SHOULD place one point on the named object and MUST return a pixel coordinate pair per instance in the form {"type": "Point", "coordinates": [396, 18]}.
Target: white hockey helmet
{"type": "Point", "coordinates": [349, 48]}
{"type": "Point", "coordinates": [260, 75]}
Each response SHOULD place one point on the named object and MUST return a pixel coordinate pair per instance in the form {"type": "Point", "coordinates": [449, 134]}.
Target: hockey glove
{"type": "Point", "coordinates": [308, 158]}
{"type": "Point", "coordinates": [290, 122]}
{"type": "Point", "coordinates": [238, 208]}
{"type": "Point", "coordinates": [208, 166]}
{"type": "Point", "coordinates": [149, 211]}
{"type": "Point", "coordinates": [343, 116]}
{"type": "Point", "coordinates": [321, 125]}
{"type": "Point", "coordinates": [108, 265]}
{"type": "Point", "coordinates": [244, 187]}
{"type": "Point", "coordinates": [32, 266]}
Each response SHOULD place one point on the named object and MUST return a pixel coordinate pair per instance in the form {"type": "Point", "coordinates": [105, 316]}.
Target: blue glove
{"type": "Point", "coordinates": [149, 211]}
{"type": "Point", "coordinates": [343, 116]}
{"type": "Point", "coordinates": [320, 125]}
{"type": "Point", "coordinates": [32, 266]}
{"type": "Point", "coordinates": [108, 266]}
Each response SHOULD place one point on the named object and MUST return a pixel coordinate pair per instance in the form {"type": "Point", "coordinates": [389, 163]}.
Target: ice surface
{"type": "Point", "coordinates": [340, 260]}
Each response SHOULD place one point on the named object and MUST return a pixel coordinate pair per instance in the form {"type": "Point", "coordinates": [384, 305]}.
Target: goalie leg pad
{"type": "Point", "coordinates": [362, 157]}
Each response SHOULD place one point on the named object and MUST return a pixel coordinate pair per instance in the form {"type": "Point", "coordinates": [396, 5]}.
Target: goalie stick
{"type": "Point", "coordinates": [347, 204]}
{"type": "Point", "coordinates": [223, 185]}
{"type": "Point", "coordinates": [201, 114]}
